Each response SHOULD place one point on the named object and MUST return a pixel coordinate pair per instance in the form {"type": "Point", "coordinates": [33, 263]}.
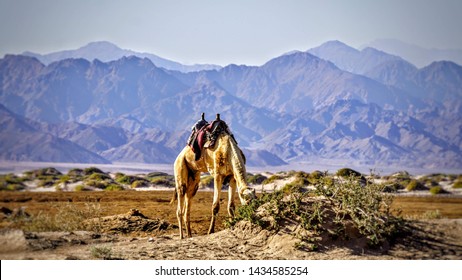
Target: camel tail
{"type": "Point", "coordinates": [180, 168]}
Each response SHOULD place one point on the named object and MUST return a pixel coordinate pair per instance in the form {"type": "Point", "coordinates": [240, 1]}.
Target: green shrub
{"type": "Point", "coordinates": [91, 170]}
{"type": "Point", "coordinates": [368, 207]}
{"type": "Point", "coordinates": [64, 179]}
{"type": "Point", "coordinates": [96, 184]}
{"type": "Point", "coordinates": [11, 187]}
{"type": "Point", "coordinates": [126, 179]}
{"type": "Point", "coordinates": [248, 211]}
{"type": "Point", "coordinates": [431, 183]}
{"type": "Point", "coordinates": [156, 174]}
{"type": "Point", "coordinates": [402, 175]}
{"type": "Point", "coordinates": [80, 188]}
{"type": "Point", "coordinates": [414, 185]}
{"type": "Point", "coordinates": [255, 179]}
{"type": "Point", "coordinates": [99, 177]}
{"type": "Point", "coordinates": [139, 184]}
{"type": "Point", "coordinates": [392, 187]}
{"type": "Point", "coordinates": [457, 185]}
{"type": "Point", "coordinates": [403, 178]}
{"type": "Point", "coordinates": [47, 176]}
{"type": "Point", "coordinates": [113, 187]}
{"type": "Point", "coordinates": [167, 180]}
{"type": "Point", "coordinates": [49, 171]}
{"type": "Point", "coordinates": [436, 190]}
{"type": "Point", "coordinates": [342, 203]}
{"type": "Point", "coordinates": [75, 172]}
{"type": "Point", "coordinates": [316, 175]}
{"type": "Point", "coordinates": [11, 182]}
{"type": "Point", "coordinates": [47, 181]}
{"type": "Point", "coordinates": [296, 185]}
{"type": "Point", "coordinates": [348, 172]}
{"type": "Point", "coordinates": [271, 179]}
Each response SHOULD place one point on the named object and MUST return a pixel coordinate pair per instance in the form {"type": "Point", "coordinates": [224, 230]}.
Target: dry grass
{"type": "Point", "coordinates": [417, 206]}
{"type": "Point", "coordinates": [154, 204]}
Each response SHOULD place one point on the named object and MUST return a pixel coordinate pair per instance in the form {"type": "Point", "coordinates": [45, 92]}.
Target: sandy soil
{"type": "Point", "coordinates": [151, 232]}
{"type": "Point", "coordinates": [430, 239]}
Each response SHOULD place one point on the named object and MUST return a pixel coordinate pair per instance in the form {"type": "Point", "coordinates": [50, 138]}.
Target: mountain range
{"type": "Point", "coordinates": [107, 51]}
{"type": "Point", "coordinates": [417, 55]}
{"type": "Point", "coordinates": [332, 103]}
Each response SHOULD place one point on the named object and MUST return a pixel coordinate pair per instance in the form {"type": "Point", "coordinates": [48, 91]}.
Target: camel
{"type": "Point", "coordinates": [224, 161]}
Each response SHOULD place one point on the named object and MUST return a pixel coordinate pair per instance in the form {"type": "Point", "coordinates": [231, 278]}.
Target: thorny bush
{"type": "Point", "coordinates": [332, 201]}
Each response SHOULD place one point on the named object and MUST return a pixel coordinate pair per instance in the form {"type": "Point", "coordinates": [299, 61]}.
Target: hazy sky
{"type": "Point", "coordinates": [223, 32]}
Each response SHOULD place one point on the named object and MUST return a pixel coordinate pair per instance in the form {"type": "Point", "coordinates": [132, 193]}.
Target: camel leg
{"type": "Point", "coordinates": [231, 196]}
{"type": "Point", "coordinates": [218, 181]}
{"type": "Point", "coordinates": [179, 213]}
{"type": "Point", "coordinates": [188, 201]}
{"type": "Point", "coordinates": [187, 215]}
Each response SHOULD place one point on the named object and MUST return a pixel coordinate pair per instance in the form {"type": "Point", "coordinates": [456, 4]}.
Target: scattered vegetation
{"type": "Point", "coordinates": [348, 172]}
{"type": "Point", "coordinates": [125, 179]}
{"type": "Point", "coordinates": [301, 180]}
{"type": "Point", "coordinates": [432, 214]}
{"type": "Point", "coordinates": [156, 174]}
{"type": "Point", "coordinates": [67, 217]}
{"type": "Point", "coordinates": [101, 252]}
{"type": "Point", "coordinates": [255, 179]}
{"type": "Point", "coordinates": [414, 185]}
{"type": "Point", "coordinates": [113, 187]}
{"type": "Point", "coordinates": [333, 210]}
{"type": "Point", "coordinates": [11, 182]}
{"type": "Point", "coordinates": [139, 184]}
{"type": "Point", "coordinates": [99, 177]}
{"type": "Point", "coordinates": [457, 185]}
{"type": "Point", "coordinates": [43, 172]}
{"type": "Point", "coordinates": [272, 179]}
{"type": "Point", "coordinates": [96, 184]}
{"type": "Point", "coordinates": [164, 180]}
{"type": "Point", "coordinates": [92, 170]}
{"type": "Point", "coordinates": [392, 187]}
{"type": "Point", "coordinates": [94, 178]}
{"type": "Point", "coordinates": [75, 172]}
{"type": "Point", "coordinates": [80, 188]}
{"type": "Point", "coordinates": [399, 180]}
{"type": "Point", "coordinates": [436, 190]}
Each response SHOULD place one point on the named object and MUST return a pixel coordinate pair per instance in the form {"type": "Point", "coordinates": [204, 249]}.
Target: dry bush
{"type": "Point", "coordinates": [11, 182]}
{"type": "Point", "coordinates": [164, 180]}
{"type": "Point", "coordinates": [335, 209]}
{"type": "Point", "coordinates": [101, 252]}
{"type": "Point", "coordinates": [255, 179]}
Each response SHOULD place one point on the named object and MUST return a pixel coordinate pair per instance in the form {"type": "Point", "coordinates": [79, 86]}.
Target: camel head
{"type": "Point", "coordinates": [246, 196]}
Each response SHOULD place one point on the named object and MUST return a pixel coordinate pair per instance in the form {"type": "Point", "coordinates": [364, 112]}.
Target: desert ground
{"type": "Point", "coordinates": [134, 224]}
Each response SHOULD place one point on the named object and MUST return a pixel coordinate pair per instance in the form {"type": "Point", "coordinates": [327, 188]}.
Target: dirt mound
{"type": "Point", "coordinates": [282, 230]}
{"type": "Point", "coordinates": [336, 214]}
{"type": "Point", "coordinates": [132, 222]}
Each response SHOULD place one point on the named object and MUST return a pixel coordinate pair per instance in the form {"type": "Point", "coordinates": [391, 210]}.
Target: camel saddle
{"type": "Point", "coordinates": [206, 136]}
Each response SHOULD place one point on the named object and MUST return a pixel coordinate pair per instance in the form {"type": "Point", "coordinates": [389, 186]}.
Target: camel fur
{"type": "Point", "coordinates": [224, 161]}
